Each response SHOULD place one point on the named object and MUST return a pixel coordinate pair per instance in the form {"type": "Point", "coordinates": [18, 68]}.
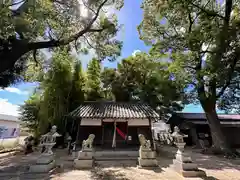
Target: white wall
{"type": "Point", "coordinates": [9, 128]}
{"type": "Point", "coordinates": [10, 124]}
{"type": "Point", "coordinates": [131, 122]}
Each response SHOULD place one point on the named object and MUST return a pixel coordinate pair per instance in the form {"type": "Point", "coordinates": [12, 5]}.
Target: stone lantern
{"type": "Point", "coordinates": [178, 139]}
{"type": "Point", "coordinates": [183, 163]}
{"type": "Point", "coordinates": [45, 161]}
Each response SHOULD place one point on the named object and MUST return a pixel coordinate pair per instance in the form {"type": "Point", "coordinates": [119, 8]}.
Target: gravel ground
{"type": "Point", "coordinates": [13, 168]}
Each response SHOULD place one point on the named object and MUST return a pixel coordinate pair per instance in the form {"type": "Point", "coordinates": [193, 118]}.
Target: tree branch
{"type": "Point", "coordinates": [200, 81]}
{"type": "Point", "coordinates": [229, 75]}
{"type": "Point", "coordinates": [54, 43]}
{"type": "Point", "coordinates": [208, 12]}
{"type": "Point", "coordinates": [20, 47]}
{"type": "Point", "coordinates": [88, 42]}
{"type": "Point", "coordinates": [190, 22]}
{"type": "Point", "coordinates": [85, 4]}
{"type": "Point", "coordinates": [222, 38]}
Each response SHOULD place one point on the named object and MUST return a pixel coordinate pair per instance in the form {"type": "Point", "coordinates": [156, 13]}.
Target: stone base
{"type": "Point", "coordinates": [184, 166]}
{"type": "Point", "coordinates": [85, 155]}
{"type": "Point", "coordinates": [189, 173]}
{"type": "Point", "coordinates": [147, 154]}
{"type": "Point", "coordinates": [45, 159]}
{"type": "Point", "coordinates": [42, 168]}
{"type": "Point", "coordinates": [147, 162]}
{"type": "Point", "coordinates": [183, 157]}
{"type": "Point", "coordinates": [74, 154]}
{"type": "Point", "coordinates": [197, 173]}
{"type": "Point", "coordinates": [87, 150]}
{"type": "Point", "coordinates": [83, 163]}
{"type": "Point", "coordinates": [187, 169]}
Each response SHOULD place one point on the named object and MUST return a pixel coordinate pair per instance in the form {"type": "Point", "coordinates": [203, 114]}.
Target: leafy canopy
{"type": "Point", "coordinates": [144, 78]}
{"type": "Point", "coordinates": [201, 39]}
{"type": "Point", "coordinates": [93, 85]}
{"type": "Point", "coordinates": [60, 91]}
{"type": "Point", "coordinates": [32, 25]}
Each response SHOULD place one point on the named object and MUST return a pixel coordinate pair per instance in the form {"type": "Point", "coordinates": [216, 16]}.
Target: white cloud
{"type": "Point", "coordinates": [15, 90]}
{"type": "Point", "coordinates": [8, 108]}
{"type": "Point", "coordinates": [135, 52]}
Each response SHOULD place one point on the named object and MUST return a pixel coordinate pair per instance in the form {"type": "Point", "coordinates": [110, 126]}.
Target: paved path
{"type": "Point", "coordinates": [216, 169]}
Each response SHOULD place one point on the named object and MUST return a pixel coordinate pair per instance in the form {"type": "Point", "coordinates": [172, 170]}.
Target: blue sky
{"type": "Point", "coordinates": [131, 16]}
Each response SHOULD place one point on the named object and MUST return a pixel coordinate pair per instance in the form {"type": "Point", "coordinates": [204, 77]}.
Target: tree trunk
{"type": "Point", "coordinates": [193, 133]}
{"type": "Point", "coordinates": [219, 140]}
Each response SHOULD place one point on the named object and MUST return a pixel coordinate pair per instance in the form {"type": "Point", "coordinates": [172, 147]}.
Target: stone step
{"type": "Point", "coordinates": [185, 166]}
{"type": "Point", "coordinates": [189, 173]}
{"type": "Point", "coordinates": [24, 176]}
{"type": "Point", "coordinates": [121, 158]}
{"type": "Point", "coordinates": [120, 163]}
{"type": "Point", "coordinates": [116, 154]}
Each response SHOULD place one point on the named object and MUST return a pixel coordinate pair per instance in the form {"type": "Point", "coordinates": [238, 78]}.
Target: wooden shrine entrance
{"type": "Point", "coordinates": [114, 124]}
{"type": "Point", "coordinates": [120, 136]}
{"type": "Point", "coordinates": [108, 129]}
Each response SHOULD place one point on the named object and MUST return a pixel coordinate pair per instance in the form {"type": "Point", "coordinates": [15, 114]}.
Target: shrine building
{"type": "Point", "coordinates": [114, 124]}
{"type": "Point", "coordinates": [195, 125]}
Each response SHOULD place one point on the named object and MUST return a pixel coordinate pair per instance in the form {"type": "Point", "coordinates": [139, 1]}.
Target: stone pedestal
{"type": "Point", "coordinates": [44, 163]}
{"type": "Point", "coordinates": [84, 160]}
{"type": "Point", "coordinates": [147, 158]}
{"type": "Point", "coordinates": [183, 164]}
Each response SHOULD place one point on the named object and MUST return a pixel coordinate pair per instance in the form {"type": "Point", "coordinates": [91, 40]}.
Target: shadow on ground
{"type": "Point", "coordinates": [15, 167]}
{"type": "Point", "coordinates": [211, 162]}
{"type": "Point", "coordinates": [99, 173]}
{"type": "Point", "coordinates": [210, 178]}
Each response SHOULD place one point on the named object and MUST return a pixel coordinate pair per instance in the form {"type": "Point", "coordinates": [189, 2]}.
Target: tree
{"type": "Point", "coordinates": [38, 24]}
{"type": "Point", "coordinates": [30, 114]}
{"type": "Point", "coordinates": [144, 78]}
{"type": "Point", "coordinates": [202, 41]}
{"type": "Point", "coordinates": [61, 90]}
{"type": "Point", "coordinates": [113, 81]}
{"type": "Point", "coordinates": [149, 81]}
{"type": "Point", "coordinates": [94, 90]}
{"type": "Point", "coordinates": [56, 89]}
{"type": "Point", "coordinates": [77, 92]}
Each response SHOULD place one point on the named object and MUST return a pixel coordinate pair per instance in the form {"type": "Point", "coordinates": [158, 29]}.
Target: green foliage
{"type": "Point", "coordinates": [110, 84]}
{"type": "Point", "coordinates": [62, 89]}
{"type": "Point", "coordinates": [201, 39]}
{"type": "Point", "coordinates": [145, 79]}
{"type": "Point", "coordinates": [77, 93]}
{"type": "Point", "coordinates": [47, 24]}
{"type": "Point", "coordinates": [30, 114]}
{"type": "Point", "coordinates": [94, 90]}
{"type": "Point", "coordinates": [56, 88]}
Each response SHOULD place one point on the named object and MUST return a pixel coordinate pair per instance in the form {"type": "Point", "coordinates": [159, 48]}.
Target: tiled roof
{"type": "Point", "coordinates": [114, 110]}
{"type": "Point", "coordinates": [202, 116]}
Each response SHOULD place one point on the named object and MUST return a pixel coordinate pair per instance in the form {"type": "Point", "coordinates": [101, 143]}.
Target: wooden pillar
{"type": "Point", "coordinates": [73, 122]}
{"type": "Point", "coordinates": [102, 133]}
{"type": "Point", "coordinates": [114, 144]}
{"type": "Point", "coordinates": [78, 129]}
{"type": "Point", "coordinates": [153, 140]}
{"type": "Point", "coordinates": [127, 133]}
{"type": "Point", "coordinates": [194, 136]}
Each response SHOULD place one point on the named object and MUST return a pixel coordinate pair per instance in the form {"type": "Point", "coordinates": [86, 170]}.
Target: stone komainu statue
{"type": "Point", "coordinates": [145, 144]}
{"type": "Point", "coordinates": [88, 142]}
{"type": "Point", "coordinates": [178, 136]}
